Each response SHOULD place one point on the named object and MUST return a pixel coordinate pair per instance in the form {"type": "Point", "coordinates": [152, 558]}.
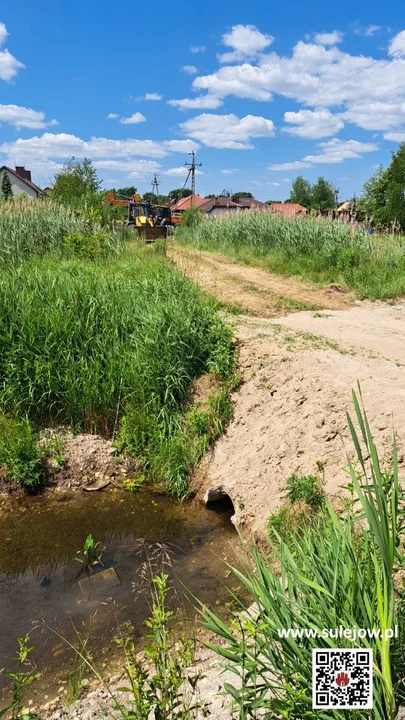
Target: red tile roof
{"type": "Point", "coordinates": [185, 203]}
{"type": "Point", "coordinates": [288, 209]}
{"type": "Point", "coordinates": [218, 202]}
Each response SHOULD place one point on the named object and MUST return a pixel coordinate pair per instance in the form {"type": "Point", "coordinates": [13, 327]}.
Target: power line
{"type": "Point", "coordinates": [314, 97]}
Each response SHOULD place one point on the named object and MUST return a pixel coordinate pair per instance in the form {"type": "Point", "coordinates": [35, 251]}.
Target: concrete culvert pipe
{"type": "Point", "coordinates": [217, 498]}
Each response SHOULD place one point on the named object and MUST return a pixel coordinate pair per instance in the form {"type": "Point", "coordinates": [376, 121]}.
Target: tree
{"type": "Point", "coordinates": [323, 195]}
{"type": "Point", "coordinates": [155, 199]}
{"type": "Point", "coordinates": [301, 192]}
{"type": "Point", "coordinates": [76, 182]}
{"type": "Point", "coordinates": [396, 188]}
{"type": "Point", "coordinates": [129, 191]}
{"type": "Point", "coordinates": [271, 202]}
{"type": "Point", "coordinates": [374, 195]}
{"type": "Point", "coordinates": [384, 193]}
{"type": "Point", "coordinates": [6, 189]}
{"type": "Point", "coordinates": [242, 194]}
{"type": "Point", "coordinates": [178, 194]}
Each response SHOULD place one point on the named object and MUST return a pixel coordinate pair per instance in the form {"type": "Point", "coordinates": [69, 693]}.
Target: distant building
{"type": "Point", "coordinates": [21, 182]}
{"type": "Point", "coordinates": [248, 203]}
{"type": "Point", "coordinates": [186, 203]}
{"type": "Point", "coordinates": [287, 209]}
{"type": "Point", "coordinates": [218, 207]}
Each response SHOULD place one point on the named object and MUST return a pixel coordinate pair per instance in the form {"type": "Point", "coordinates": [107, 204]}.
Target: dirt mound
{"type": "Point", "coordinates": [291, 413]}
{"type": "Point", "coordinates": [89, 461]}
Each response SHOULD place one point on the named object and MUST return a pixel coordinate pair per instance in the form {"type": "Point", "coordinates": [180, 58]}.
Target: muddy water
{"type": "Point", "coordinates": [39, 538]}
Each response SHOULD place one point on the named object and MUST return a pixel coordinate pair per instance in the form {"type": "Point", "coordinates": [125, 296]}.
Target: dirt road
{"type": "Point", "coordinates": [299, 370]}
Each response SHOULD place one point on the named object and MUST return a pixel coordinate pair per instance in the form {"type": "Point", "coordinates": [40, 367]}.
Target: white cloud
{"type": "Point", "coordinates": [9, 66]}
{"type": "Point", "coordinates": [313, 124]}
{"type": "Point", "coordinates": [133, 119]}
{"type": "Point", "coordinates": [190, 69]}
{"type": "Point", "coordinates": [227, 131]}
{"type": "Point", "coordinates": [274, 183]}
{"type": "Point", "coordinates": [45, 153]}
{"type": "Point", "coordinates": [297, 165]}
{"type": "Point", "coordinates": [180, 146]}
{"type": "Point", "coordinates": [229, 172]}
{"type": "Point", "coordinates": [203, 102]}
{"type": "Point", "coordinates": [112, 116]}
{"type": "Point", "coordinates": [377, 114]}
{"type": "Point", "coordinates": [367, 31]}
{"type": "Point", "coordinates": [3, 33]}
{"type": "Point", "coordinates": [153, 97]}
{"type": "Point", "coordinates": [307, 76]}
{"type": "Point", "coordinates": [398, 136]}
{"type": "Point", "coordinates": [397, 45]}
{"type": "Point", "coordinates": [335, 151]}
{"type": "Point", "coordinates": [22, 117]}
{"type": "Point", "coordinates": [331, 38]}
{"type": "Point", "coordinates": [246, 41]}
{"type": "Point", "coordinates": [179, 172]}
{"type": "Point", "coordinates": [136, 168]}
{"type": "Point", "coordinates": [197, 48]}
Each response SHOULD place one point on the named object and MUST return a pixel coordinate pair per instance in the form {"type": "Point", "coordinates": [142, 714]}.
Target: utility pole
{"type": "Point", "coordinates": [191, 172]}
{"type": "Point", "coordinates": [336, 196]}
{"type": "Point", "coordinates": [155, 186]}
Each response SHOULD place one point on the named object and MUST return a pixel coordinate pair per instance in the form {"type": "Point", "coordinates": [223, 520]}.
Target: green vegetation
{"type": "Point", "coordinates": [338, 570]}
{"type": "Point", "coordinates": [20, 679]}
{"type": "Point", "coordinates": [159, 684]}
{"type": "Point", "coordinates": [90, 344]}
{"type": "Point", "coordinates": [76, 184]}
{"type": "Point", "coordinates": [6, 189]}
{"type": "Point", "coordinates": [306, 488]}
{"type": "Point", "coordinates": [322, 250]}
{"type": "Point", "coordinates": [30, 229]}
{"type": "Point", "coordinates": [383, 194]}
{"type": "Point", "coordinates": [21, 456]}
{"type": "Point", "coordinates": [320, 196]}
{"type": "Point", "coordinates": [89, 556]}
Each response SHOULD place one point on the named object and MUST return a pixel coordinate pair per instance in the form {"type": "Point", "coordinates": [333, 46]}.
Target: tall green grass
{"type": "Point", "coordinates": [85, 343]}
{"type": "Point", "coordinates": [322, 250]}
{"type": "Point", "coordinates": [29, 229]}
{"type": "Point", "coordinates": [340, 571]}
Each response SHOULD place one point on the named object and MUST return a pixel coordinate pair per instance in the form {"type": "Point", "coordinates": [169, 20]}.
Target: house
{"type": "Point", "coordinates": [218, 207]}
{"type": "Point", "coordinates": [288, 209]}
{"type": "Point", "coordinates": [186, 203]}
{"type": "Point", "coordinates": [248, 203]}
{"type": "Point", "coordinates": [21, 182]}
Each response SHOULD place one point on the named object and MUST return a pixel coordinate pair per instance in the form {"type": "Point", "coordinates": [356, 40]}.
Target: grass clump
{"type": "Point", "coordinates": [322, 250]}
{"type": "Point", "coordinates": [338, 571]}
{"type": "Point", "coordinates": [306, 488]}
{"type": "Point", "coordinates": [110, 347]}
{"type": "Point", "coordinates": [21, 457]}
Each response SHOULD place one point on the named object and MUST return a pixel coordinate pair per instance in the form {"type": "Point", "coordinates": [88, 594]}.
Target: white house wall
{"type": "Point", "coordinates": [18, 186]}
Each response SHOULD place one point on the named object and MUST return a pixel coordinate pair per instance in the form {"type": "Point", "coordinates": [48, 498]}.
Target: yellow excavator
{"type": "Point", "coordinates": [150, 221]}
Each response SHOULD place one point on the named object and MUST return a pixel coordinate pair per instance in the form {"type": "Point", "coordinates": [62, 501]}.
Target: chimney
{"type": "Point", "coordinates": [27, 174]}
{"type": "Point", "coordinates": [20, 170]}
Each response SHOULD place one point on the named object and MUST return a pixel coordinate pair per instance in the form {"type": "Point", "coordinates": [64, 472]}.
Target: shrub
{"type": "Point", "coordinates": [20, 454]}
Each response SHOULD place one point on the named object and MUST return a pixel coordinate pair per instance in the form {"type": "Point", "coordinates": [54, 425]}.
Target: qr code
{"type": "Point", "coordinates": [342, 679]}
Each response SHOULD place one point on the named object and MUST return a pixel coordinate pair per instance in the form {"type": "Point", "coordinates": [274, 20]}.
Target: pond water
{"type": "Point", "coordinates": [39, 539]}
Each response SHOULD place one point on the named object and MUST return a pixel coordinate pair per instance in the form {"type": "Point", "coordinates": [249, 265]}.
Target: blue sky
{"type": "Point", "coordinates": [262, 91]}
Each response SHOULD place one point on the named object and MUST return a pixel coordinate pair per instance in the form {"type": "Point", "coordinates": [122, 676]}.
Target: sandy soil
{"type": "Point", "coordinates": [254, 290]}
{"type": "Point", "coordinates": [299, 371]}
